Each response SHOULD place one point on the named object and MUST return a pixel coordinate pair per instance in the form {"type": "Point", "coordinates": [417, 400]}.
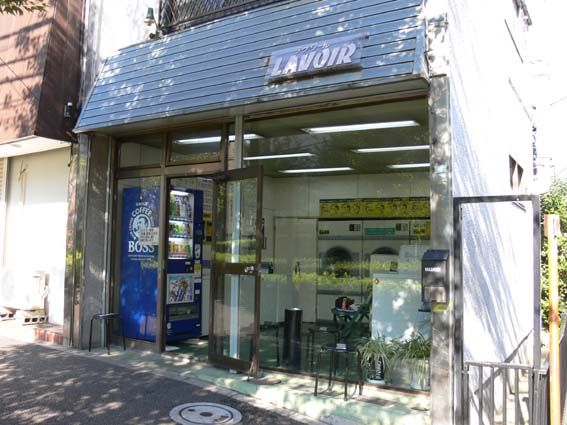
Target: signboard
{"type": "Point", "coordinates": [316, 58]}
{"type": "Point", "coordinates": [149, 236]}
{"type": "Point", "coordinates": [375, 208]}
{"type": "Point", "coordinates": [139, 262]}
{"type": "Point", "coordinates": [180, 288]}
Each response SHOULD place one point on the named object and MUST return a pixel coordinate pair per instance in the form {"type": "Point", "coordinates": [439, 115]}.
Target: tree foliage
{"type": "Point", "coordinates": [555, 202]}
{"type": "Point", "coordinates": [19, 7]}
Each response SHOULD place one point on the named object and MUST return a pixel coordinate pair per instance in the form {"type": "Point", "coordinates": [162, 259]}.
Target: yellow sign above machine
{"type": "Point", "coordinates": [417, 208]}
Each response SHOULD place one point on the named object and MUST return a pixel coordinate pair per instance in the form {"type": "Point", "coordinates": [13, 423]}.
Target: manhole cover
{"type": "Point", "coordinates": [205, 413]}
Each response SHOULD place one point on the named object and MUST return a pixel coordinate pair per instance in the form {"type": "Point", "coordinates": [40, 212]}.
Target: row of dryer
{"type": "Point", "coordinates": [345, 246]}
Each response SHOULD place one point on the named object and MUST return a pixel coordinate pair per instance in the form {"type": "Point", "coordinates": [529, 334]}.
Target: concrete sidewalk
{"type": "Point", "coordinates": [294, 393]}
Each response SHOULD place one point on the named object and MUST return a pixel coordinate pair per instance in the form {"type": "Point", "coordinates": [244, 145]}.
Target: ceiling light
{"type": "Point", "coordinates": [398, 166]}
{"type": "Point", "coordinates": [316, 170]}
{"type": "Point", "coordinates": [198, 141]}
{"type": "Point", "coordinates": [214, 139]}
{"type": "Point", "coordinates": [287, 155]}
{"type": "Point", "coordinates": [392, 149]}
{"type": "Point", "coordinates": [250, 136]}
{"type": "Point", "coordinates": [361, 127]}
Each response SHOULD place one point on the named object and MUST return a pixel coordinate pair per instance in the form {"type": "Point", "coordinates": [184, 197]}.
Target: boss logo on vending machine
{"type": "Point", "coordinates": [141, 219]}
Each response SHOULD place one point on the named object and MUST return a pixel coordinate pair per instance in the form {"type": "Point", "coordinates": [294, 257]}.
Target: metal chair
{"type": "Point", "coordinates": [107, 318]}
{"type": "Point", "coordinates": [312, 333]}
{"type": "Point", "coordinates": [334, 350]}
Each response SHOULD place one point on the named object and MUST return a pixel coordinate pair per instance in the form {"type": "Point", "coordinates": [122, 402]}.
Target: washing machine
{"type": "Point", "coordinates": [340, 267]}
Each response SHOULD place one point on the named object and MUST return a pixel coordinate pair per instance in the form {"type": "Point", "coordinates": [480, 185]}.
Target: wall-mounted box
{"type": "Point", "coordinates": [435, 276]}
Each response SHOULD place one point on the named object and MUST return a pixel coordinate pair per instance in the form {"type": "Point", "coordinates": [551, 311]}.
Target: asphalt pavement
{"type": "Point", "coordinates": [40, 385]}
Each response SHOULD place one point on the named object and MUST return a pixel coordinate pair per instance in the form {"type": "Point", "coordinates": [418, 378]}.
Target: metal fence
{"type": "Point", "coordinates": [181, 13]}
{"type": "Point", "coordinates": [502, 393]}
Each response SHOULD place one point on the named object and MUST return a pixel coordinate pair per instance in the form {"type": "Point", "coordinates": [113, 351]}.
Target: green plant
{"type": "Point", "coordinates": [555, 202]}
{"type": "Point", "coordinates": [414, 353]}
{"type": "Point", "coordinates": [373, 350]}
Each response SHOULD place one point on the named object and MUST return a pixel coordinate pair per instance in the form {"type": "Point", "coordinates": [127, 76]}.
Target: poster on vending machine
{"type": "Point", "coordinates": [180, 288]}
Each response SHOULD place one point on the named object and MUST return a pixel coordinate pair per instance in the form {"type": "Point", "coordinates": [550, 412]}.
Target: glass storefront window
{"type": "Point", "coordinates": [345, 223]}
{"type": "Point", "coordinates": [141, 151]}
{"type": "Point", "coordinates": [195, 145]}
{"type": "Point", "coordinates": [237, 201]}
{"type": "Point", "coordinates": [136, 257]}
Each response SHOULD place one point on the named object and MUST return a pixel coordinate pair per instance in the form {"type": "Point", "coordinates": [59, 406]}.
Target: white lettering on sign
{"type": "Point", "coordinates": [345, 52]}
{"type": "Point", "coordinates": [433, 269]}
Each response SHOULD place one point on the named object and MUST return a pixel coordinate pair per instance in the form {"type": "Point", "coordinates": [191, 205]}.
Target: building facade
{"type": "Point", "coordinates": [238, 165]}
{"type": "Point", "coordinates": [39, 94]}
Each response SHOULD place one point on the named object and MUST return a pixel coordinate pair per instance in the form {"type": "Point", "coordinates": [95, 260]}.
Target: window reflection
{"type": "Point", "coordinates": [141, 151]}
{"type": "Point", "coordinates": [195, 145]}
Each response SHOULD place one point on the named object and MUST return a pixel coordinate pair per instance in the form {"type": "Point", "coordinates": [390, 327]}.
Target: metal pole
{"type": "Point", "coordinates": [552, 231]}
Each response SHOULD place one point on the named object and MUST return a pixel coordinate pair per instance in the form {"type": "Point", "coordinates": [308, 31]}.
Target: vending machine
{"type": "Point", "coordinates": [184, 264]}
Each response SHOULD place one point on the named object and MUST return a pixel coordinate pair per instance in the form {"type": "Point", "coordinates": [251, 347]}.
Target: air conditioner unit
{"type": "Point", "coordinates": [22, 289]}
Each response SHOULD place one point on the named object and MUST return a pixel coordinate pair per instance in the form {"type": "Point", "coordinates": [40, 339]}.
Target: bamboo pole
{"type": "Point", "coordinates": [552, 231]}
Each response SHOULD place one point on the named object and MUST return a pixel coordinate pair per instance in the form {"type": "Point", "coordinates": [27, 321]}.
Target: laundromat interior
{"type": "Point", "coordinates": [345, 213]}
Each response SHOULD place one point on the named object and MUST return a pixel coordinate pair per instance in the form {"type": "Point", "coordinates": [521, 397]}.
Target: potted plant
{"type": "Point", "coordinates": [413, 354]}
{"type": "Point", "coordinates": [375, 354]}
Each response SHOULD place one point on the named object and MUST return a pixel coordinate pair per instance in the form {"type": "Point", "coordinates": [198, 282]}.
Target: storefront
{"type": "Point", "coordinates": [286, 172]}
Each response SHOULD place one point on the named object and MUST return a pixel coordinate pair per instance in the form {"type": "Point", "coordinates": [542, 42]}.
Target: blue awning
{"type": "Point", "coordinates": [223, 64]}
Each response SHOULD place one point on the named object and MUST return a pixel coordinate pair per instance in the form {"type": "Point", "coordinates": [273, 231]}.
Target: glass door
{"type": "Point", "coordinates": [235, 284]}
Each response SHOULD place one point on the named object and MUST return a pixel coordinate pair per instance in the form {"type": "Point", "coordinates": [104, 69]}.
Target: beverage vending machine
{"type": "Point", "coordinates": [184, 264]}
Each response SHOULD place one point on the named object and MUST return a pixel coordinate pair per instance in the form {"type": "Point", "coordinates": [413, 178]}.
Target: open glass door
{"type": "Point", "coordinates": [235, 283]}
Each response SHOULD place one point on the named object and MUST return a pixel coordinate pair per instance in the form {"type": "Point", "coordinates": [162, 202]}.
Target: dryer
{"type": "Point", "coordinates": [340, 247]}
{"type": "Point", "coordinates": [383, 238]}
{"type": "Point", "coordinates": [340, 263]}
{"type": "Point", "coordinates": [386, 237]}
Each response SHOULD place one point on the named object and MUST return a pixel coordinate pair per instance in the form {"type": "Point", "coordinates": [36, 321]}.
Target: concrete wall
{"type": "Point", "coordinates": [491, 120]}
{"type": "Point", "coordinates": [109, 26]}
{"type": "Point", "coordinates": [36, 220]}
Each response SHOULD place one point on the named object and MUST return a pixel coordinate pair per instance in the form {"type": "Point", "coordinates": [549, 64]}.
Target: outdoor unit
{"type": "Point", "coordinates": [22, 290]}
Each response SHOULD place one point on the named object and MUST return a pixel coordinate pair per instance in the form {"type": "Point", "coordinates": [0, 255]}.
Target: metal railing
{"type": "Point", "coordinates": [175, 14]}
{"type": "Point", "coordinates": [503, 393]}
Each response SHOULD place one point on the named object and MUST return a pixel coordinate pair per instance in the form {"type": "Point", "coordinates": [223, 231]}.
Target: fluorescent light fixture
{"type": "Point", "coordinates": [214, 139]}
{"type": "Point", "coordinates": [401, 166]}
{"type": "Point", "coordinates": [287, 155]}
{"type": "Point", "coordinates": [250, 136]}
{"type": "Point", "coordinates": [392, 149]}
{"type": "Point", "coordinates": [199, 141]}
{"type": "Point", "coordinates": [179, 193]}
{"type": "Point", "coordinates": [361, 127]}
{"type": "Point", "coordinates": [316, 170]}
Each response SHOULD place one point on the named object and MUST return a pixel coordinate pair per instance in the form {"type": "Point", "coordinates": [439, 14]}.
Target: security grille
{"type": "Point", "coordinates": [181, 13]}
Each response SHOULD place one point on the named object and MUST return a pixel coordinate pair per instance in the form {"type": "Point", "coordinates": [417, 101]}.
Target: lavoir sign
{"type": "Point", "coordinates": [325, 56]}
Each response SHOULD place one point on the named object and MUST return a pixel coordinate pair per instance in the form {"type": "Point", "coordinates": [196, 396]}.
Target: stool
{"type": "Point", "coordinates": [334, 351]}
{"type": "Point", "coordinates": [311, 333]}
{"type": "Point", "coordinates": [107, 318]}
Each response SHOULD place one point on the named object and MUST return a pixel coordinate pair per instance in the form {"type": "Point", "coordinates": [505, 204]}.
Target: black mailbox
{"type": "Point", "coordinates": [435, 276]}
